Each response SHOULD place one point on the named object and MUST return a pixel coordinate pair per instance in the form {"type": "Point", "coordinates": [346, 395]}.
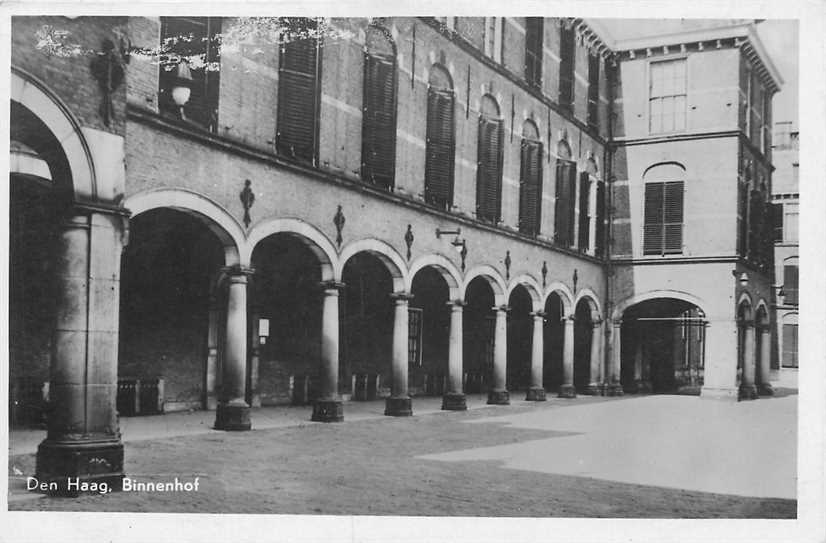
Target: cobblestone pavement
{"type": "Point", "coordinates": [588, 457]}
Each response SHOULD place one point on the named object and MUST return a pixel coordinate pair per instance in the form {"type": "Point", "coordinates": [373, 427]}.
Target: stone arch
{"type": "Point", "coordinates": [489, 107]}
{"type": "Point", "coordinates": [492, 276]}
{"type": "Point", "coordinates": [563, 150]}
{"type": "Point", "coordinates": [444, 266]}
{"type": "Point", "coordinates": [439, 77]}
{"type": "Point", "coordinates": [744, 302]}
{"type": "Point", "coordinates": [592, 300]}
{"type": "Point", "coordinates": [212, 214]}
{"type": "Point", "coordinates": [665, 171]}
{"type": "Point", "coordinates": [35, 96]}
{"type": "Point", "coordinates": [530, 131]}
{"type": "Point", "coordinates": [564, 293]}
{"type": "Point", "coordinates": [761, 313]}
{"type": "Point", "coordinates": [653, 294]}
{"type": "Point", "coordinates": [533, 288]}
{"type": "Point", "coordinates": [313, 238]}
{"type": "Point", "coordinates": [391, 259]}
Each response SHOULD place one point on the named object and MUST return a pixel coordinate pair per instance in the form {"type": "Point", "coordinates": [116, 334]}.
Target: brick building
{"type": "Point", "coordinates": [258, 211]}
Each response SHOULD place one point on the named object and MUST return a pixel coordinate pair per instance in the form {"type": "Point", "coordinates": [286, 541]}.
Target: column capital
{"type": "Point", "coordinates": [87, 208]}
{"type": "Point", "coordinates": [569, 318]}
{"type": "Point", "coordinates": [596, 323]}
{"type": "Point", "coordinates": [746, 323]}
{"type": "Point", "coordinates": [502, 308]}
{"type": "Point", "coordinates": [237, 270]}
{"type": "Point", "coordinates": [538, 314]}
{"type": "Point", "coordinates": [328, 286]}
{"type": "Point", "coordinates": [456, 304]}
{"type": "Point", "coordinates": [401, 296]}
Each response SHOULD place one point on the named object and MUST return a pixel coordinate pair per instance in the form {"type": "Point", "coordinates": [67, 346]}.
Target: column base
{"type": "Point", "coordinates": [718, 393]}
{"type": "Point", "coordinates": [747, 392]}
{"type": "Point", "coordinates": [328, 411]}
{"type": "Point", "coordinates": [499, 397]}
{"type": "Point", "coordinates": [567, 391]}
{"type": "Point", "coordinates": [591, 390]}
{"type": "Point", "coordinates": [765, 389]}
{"type": "Point", "coordinates": [72, 468]}
{"type": "Point", "coordinates": [614, 389]}
{"type": "Point", "coordinates": [233, 417]}
{"type": "Point", "coordinates": [454, 401]}
{"type": "Point", "coordinates": [398, 406]}
{"type": "Point", "coordinates": [536, 394]}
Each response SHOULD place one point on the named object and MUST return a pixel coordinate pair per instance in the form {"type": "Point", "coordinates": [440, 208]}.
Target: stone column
{"type": "Point", "coordinates": [211, 372]}
{"type": "Point", "coordinates": [764, 386]}
{"type": "Point", "coordinates": [536, 392]}
{"type": "Point", "coordinates": [498, 393]}
{"type": "Point", "coordinates": [233, 412]}
{"type": "Point", "coordinates": [83, 440]}
{"type": "Point", "coordinates": [454, 399]}
{"type": "Point", "coordinates": [614, 384]}
{"type": "Point", "coordinates": [253, 397]}
{"type": "Point", "coordinates": [748, 391]}
{"type": "Point", "coordinates": [567, 389]}
{"type": "Point", "coordinates": [596, 357]}
{"type": "Point", "coordinates": [399, 404]}
{"type": "Point", "coordinates": [329, 408]}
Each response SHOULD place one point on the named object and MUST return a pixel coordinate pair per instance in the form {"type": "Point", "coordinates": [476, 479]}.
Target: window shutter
{"type": "Point", "coordinates": [755, 224]}
{"type": "Point", "coordinates": [593, 90]}
{"type": "Point", "coordinates": [584, 209]}
{"type": "Point", "coordinates": [653, 219]}
{"type": "Point", "coordinates": [789, 345]}
{"type": "Point", "coordinates": [533, 50]}
{"type": "Point", "coordinates": [673, 217]}
{"type": "Point", "coordinates": [489, 169]}
{"type": "Point", "coordinates": [790, 284]}
{"type": "Point", "coordinates": [530, 187]}
{"type": "Point", "coordinates": [777, 222]}
{"type": "Point", "coordinates": [742, 222]}
{"type": "Point", "coordinates": [379, 124]}
{"type": "Point", "coordinates": [566, 68]}
{"type": "Point", "coordinates": [599, 231]}
{"type": "Point", "coordinates": [439, 157]}
{"type": "Point", "coordinates": [297, 100]}
{"type": "Point", "coordinates": [565, 189]}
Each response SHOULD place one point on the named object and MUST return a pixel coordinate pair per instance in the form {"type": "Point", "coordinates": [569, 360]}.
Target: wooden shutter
{"type": "Point", "coordinates": [652, 242]}
{"type": "Point", "coordinates": [790, 284]}
{"type": "Point", "coordinates": [566, 68]}
{"type": "Point", "coordinates": [777, 222]}
{"type": "Point", "coordinates": [439, 155]}
{"type": "Point", "coordinates": [533, 50]}
{"type": "Point", "coordinates": [790, 346]}
{"type": "Point", "coordinates": [565, 189]}
{"type": "Point", "coordinates": [298, 99]}
{"type": "Point", "coordinates": [673, 218]}
{"type": "Point", "coordinates": [593, 90]}
{"type": "Point", "coordinates": [489, 169]}
{"type": "Point", "coordinates": [755, 224]}
{"type": "Point", "coordinates": [378, 150]}
{"type": "Point", "coordinates": [599, 232]}
{"type": "Point", "coordinates": [742, 223]}
{"type": "Point", "coordinates": [530, 187]}
{"type": "Point", "coordinates": [584, 209]}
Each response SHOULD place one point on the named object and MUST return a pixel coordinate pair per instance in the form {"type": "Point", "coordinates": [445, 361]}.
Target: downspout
{"type": "Point", "coordinates": [607, 241]}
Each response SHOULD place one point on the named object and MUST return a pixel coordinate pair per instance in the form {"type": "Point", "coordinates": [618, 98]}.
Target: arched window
{"type": "Point", "coordinates": [789, 341]}
{"type": "Point", "coordinates": [441, 140]}
{"type": "Point", "coordinates": [299, 73]}
{"type": "Point", "coordinates": [489, 161]}
{"type": "Point", "coordinates": [378, 133]}
{"type": "Point", "coordinates": [663, 221]}
{"type": "Point", "coordinates": [565, 195]}
{"type": "Point", "coordinates": [530, 180]}
{"type": "Point", "coordinates": [585, 180]}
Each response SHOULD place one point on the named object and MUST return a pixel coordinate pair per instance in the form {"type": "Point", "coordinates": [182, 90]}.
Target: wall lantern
{"type": "Point", "coordinates": [182, 87]}
{"type": "Point", "coordinates": [742, 278]}
{"type": "Point", "coordinates": [263, 331]}
{"type": "Point", "coordinates": [459, 244]}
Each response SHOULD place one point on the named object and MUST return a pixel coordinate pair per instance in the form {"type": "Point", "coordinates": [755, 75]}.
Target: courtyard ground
{"type": "Point", "coordinates": [636, 456]}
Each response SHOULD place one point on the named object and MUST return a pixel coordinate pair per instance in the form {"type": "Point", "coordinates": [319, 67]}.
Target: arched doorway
{"type": "Point", "coordinates": [554, 338]}
{"type": "Point", "coordinates": [478, 335]}
{"type": "Point", "coordinates": [286, 313]}
{"type": "Point", "coordinates": [583, 331]}
{"type": "Point", "coordinates": [663, 347]}
{"type": "Point", "coordinates": [429, 324]}
{"type": "Point", "coordinates": [520, 333]}
{"type": "Point", "coordinates": [367, 328]}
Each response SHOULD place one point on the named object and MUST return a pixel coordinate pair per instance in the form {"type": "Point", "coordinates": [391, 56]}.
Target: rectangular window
{"type": "Point", "coordinates": [593, 90]}
{"type": "Point", "coordinates": [742, 223]}
{"type": "Point", "coordinates": [565, 204]}
{"type": "Point", "coordinates": [777, 222]}
{"type": "Point", "coordinates": [530, 187]}
{"type": "Point", "coordinates": [567, 46]}
{"type": "Point", "coordinates": [298, 97]}
{"type": "Point", "coordinates": [599, 230]}
{"type": "Point", "coordinates": [663, 224]}
{"type": "Point", "coordinates": [583, 243]}
{"type": "Point", "coordinates": [789, 345]}
{"type": "Point", "coordinates": [790, 284]}
{"type": "Point", "coordinates": [493, 37]}
{"type": "Point", "coordinates": [534, 29]}
{"type": "Point", "coordinates": [378, 151]}
{"type": "Point", "coordinates": [667, 96]}
{"type": "Point", "coordinates": [193, 42]}
{"type": "Point", "coordinates": [489, 169]}
{"type": "Point", "coordinates": [440, 149]}
{"type": "Point", "coordinates": [790, 218]}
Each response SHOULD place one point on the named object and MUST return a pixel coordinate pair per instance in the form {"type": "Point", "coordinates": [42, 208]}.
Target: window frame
{"type": "Point", "coordinates": [566, 96]}
{"type": "Point", "coordinates": [493, 48]}
{"type": "Point", "coordinates": [534, 77]}
{"type": "Point", "coordinates": [649, 83]}
{"type": "Point", "coordinates": [664, 251]}
{"type": "Point", "coordinates": [537, 213]}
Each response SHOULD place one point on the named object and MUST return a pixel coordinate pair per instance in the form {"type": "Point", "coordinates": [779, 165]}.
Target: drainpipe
{"type": "Point", "coordinates": [608, 231]}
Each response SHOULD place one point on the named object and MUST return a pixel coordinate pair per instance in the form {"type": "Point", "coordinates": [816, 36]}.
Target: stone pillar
{"type": "Point", "coordinates": [83, 440]}
{"type": "Point", "coordinates": [567, 389]}
{"type": "Point", "coordinates": [721, 352]}
{"type": "Point", "coordinates": [253, 397]}
{"type": "Point", "coordinates": [748, 390]}
{"type": "Point", "coordinates": [233, 412]}
{"type": "Point", "coordinates": [764, 386]}
{"type": "Point", "coordinates": [211, 372]}
{"type": "Point", "coordinates": [329, 408]}
{"type": "Point", "coordinates": [614, 384]}
{"type": "Point", "coordinates": [454, 399]}
{"type": "Point", "coordinates": [399, 404]}
{"type": "Point", "coordinates": [536, 392]}
{"type": "Point", "coordinates": [596, 357]}
{"type": "Point", "coordinates": [498, 393]}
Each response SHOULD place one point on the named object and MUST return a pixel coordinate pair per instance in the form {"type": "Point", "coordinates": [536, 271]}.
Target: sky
{"type": "Point", "coordinates": [779, 36]}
